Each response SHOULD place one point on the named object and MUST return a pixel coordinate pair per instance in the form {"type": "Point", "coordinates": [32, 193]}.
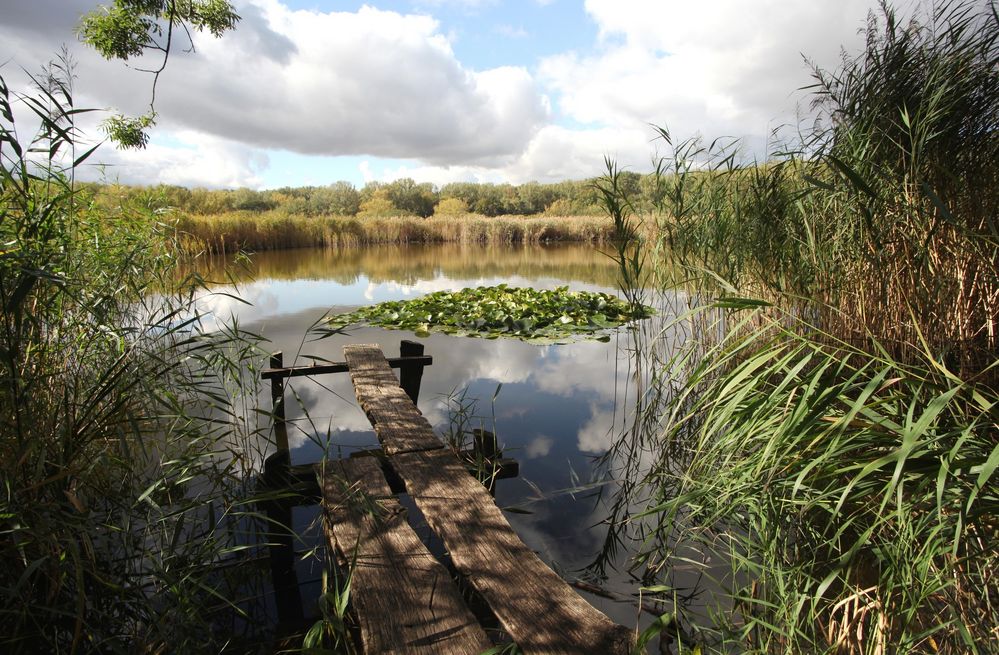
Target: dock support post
{"type": "Point", "coordinates": [410, 375]}
{"type": "Point", "coordinates": [277, 405]}
{"type": "Point", "coordinates": [484, 444]}
{"type": "Point", "coordinates": [277, 478]}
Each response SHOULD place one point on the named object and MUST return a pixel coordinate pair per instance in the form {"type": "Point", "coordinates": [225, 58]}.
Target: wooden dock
{"type": "Point", "coordinates": [404, 599]}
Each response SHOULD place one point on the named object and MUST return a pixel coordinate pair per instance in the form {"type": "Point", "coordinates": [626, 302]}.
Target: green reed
{"type": "Point", "coordinates": [275, 230]}
{"type": "Point", "coordinates": [817, 425]}
{"type": "Point", "coordinates": [126, 438]}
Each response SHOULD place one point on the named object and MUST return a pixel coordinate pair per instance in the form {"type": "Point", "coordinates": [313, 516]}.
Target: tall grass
{"type": "Point", "coordinates": [125, 451]}
{"type": "Point", "coordinates": [276, 230]}
{"type": "Point", "coordinates": [830, 432]}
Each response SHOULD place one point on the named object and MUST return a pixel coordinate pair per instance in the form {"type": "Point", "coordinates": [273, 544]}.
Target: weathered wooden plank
{"type": "Point", "coordinates": [363, 474]}
{"type": "Point", "coordinates": [403, 428]}
{"type": "Point", "coordinates": [404, 599]}
{"type": "Point", "coordinates": [536, 607]}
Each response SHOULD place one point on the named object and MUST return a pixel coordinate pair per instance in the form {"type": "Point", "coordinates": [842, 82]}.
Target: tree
{"type": "Point", "coordinates": [131, 28]}
{"type": "Point", "coordinates": [379, 205]}
{"type": "Point", "coordinates": [412, 198]}
{"type": "Point", "coordinates": [339, 199]}
{"type": "Point", "coordinates": [451, 207]}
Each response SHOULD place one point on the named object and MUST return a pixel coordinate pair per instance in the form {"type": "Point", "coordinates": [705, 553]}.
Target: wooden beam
{"type": "Point", "coordinates": [539, 610]}
{"type": "Point", "coordinates": [400, 426]}
{"type": "Point", "coordinates": [281, 372]}
{"type": "Point", "coordinates": [404, 599]}
{"type": "Point", "coordinates": [301, 478]}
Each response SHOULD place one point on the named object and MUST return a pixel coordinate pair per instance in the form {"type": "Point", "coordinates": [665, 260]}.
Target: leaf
{"type": "Point", "coordinates": [490, 312]}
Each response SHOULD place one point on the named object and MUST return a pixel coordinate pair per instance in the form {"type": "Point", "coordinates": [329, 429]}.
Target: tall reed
{"type": "Point", "coordinates": [275, 230]}
{"type": "Point", "coordinates": [126, 444]}
{"type": "Point", "coordinates": [824, 444]}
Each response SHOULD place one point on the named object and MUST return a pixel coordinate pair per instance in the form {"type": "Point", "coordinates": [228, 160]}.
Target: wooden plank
{"type": "Point", "coordinates": [403, 428]}
{"type": "Point", "coordinates": [404, 599]}
{"type": "Point", "coordinates": [535, 606]}
{"type": "Point", "coordinates": [362, 473]}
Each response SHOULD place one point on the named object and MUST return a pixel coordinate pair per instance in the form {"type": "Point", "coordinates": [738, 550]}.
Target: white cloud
{"type": "Point", "coordinates": [721, 68]}
{"type": "Point", "coordinates": [539, 446]}
{"type": "Point", "coordinates": [558, 153]}
{"type": "Point", "coordinates": [554, 154]}
{"type": "Point", "coordinates": [388, 85]}
{"type": "Point", "coordinates": [597, 435]}
{"type": "Point", "coordinates": [370, 82]}
{"type": "Point", "coordinates": [197, 160]}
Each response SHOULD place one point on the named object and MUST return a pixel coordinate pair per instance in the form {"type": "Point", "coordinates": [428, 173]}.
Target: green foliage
{"type": "Point", "coordinates": [559, 207]}
{"type": "Point", "coordinates": [339, 199]}
{"type": "Point", "coordinates": [850, 491]}
{"type": "Point", "coordinates": [379, 206]}
{"type": "Point", "coordinates": [501, 311]}
{"type": "Point", "coordinates": [127, 28]}
{"type": "Point", "coordinates": [129, 132]}
{"type": "Point", "coordinates": [828, 423]}
{"type": "Point", "coordinates": [407, 198]}
{"type": "Point", "coordinates": [130, 28]}
{"type": "Point", "coordinates": [119, 31]}
{"type": "Point", "coordinates": [411, 198]}
{"type": "Point", "coordinates": [451, 207]}
{"type": "Point", "coordinates": [116, 508]}
{"type": "Point", "coordinates": [331, 634]}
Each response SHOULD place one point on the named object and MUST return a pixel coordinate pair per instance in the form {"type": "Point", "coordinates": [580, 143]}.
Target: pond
{"type": "Point", "coordinates": [557, 409]}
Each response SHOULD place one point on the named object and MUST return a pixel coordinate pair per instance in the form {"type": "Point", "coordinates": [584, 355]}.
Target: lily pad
{"type": "Point", "coordinates": [530, 314]}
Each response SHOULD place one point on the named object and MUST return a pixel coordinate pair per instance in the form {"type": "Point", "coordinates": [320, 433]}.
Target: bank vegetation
{"type": "Point", "coordinates": [822, 417]}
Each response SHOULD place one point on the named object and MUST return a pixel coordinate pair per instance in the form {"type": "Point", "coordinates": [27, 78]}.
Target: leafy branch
{"type": "Point", "coordinates": [129, 29]}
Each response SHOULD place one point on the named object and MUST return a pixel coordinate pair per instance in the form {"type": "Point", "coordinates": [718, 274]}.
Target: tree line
{"type": "Point", "coordinates": [402, 197]}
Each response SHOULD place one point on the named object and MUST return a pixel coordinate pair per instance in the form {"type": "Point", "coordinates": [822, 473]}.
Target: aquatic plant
{"type": "Point", "coordinates": [502, 311]}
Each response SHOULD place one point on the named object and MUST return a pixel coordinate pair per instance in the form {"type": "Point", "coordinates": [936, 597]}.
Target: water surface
{"type": "Point", "coordinates": [555, 408]}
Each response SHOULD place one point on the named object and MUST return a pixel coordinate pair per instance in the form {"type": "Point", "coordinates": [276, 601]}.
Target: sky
{"type": "Point", "coordinates": [309, 92]}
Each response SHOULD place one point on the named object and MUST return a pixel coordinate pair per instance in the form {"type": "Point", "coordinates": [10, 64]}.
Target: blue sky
{"type": "Point", "coordinates": [315, 91]}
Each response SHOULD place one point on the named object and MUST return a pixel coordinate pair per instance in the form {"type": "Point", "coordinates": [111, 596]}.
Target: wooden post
{"type": "Point", "coordinates": [484, 443]}
{"type": "Point", "coordinates": [410, 375]}
{"type": "Point", "coordinates": [277, 405]}
{"type": "Point", "coordinates": [277, 478]}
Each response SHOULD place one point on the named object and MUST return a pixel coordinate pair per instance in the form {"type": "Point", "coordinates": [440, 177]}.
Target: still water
{"type": "Point", "coordinates": [555, 408]}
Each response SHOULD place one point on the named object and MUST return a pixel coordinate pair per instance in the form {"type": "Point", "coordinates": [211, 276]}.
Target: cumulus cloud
{"type": "Point", "coordinates": [555, 153]}
{"type": "Point", "coordinates": [716, 68]}
{"type": "Point", "coordinates": [539, 446]}
{"type": "Point", "coordinates": [194, 160]}
{"type": "Point", "coordinates": [370, 82]}
{"type": "Point", "coordinates": [366, 83]}
{"type": "Point", "coordinates": [597, 435]}
{"type": "Point", "coordinates": [384, 84]}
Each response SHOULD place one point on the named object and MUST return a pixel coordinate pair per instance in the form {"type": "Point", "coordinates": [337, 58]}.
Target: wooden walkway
{"type": "Point", "coordinates": [405, 600]}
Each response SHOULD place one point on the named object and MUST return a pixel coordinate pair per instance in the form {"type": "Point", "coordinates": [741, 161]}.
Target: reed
{"type": "Point", "coordinates": [824, 417]}
{"type": "Point", "coordinates": [388, 263]}
{"type": "Point", "coordinates": [272, 230]}
{"type": "Point", "coordinates": [124, 431]}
